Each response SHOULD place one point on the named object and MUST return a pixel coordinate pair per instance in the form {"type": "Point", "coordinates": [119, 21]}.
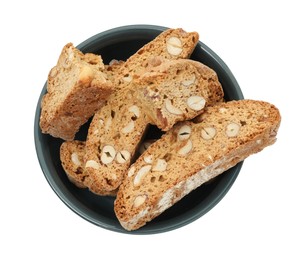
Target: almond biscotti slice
{"type": "Point", "coordinates": [169, 45]}
{"type": "Point", "coordinates": [117, 128]}
{"type": "Point", "coordinates": [190, 154]}
{"type": "Point", "coordinates": [177, 91]}
{"type": "Point", "coordinates": [76, 88]}
{"type": "Point", "coordinates": [113, 136]}
{"type": "Point", "coordinates": [72, 160]}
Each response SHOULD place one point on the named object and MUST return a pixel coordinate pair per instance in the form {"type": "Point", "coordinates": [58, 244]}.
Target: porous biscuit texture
{"type": "Point", "coordinates": [72, 160]}
{"type": "Point", "coordinates": [71, 155]}
{"type": "Point", "coordinates": [176, 91]}
{"type": "Point", "coordinates": [76, 88]}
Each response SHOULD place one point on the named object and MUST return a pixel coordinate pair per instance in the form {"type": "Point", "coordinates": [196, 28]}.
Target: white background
{"type": "Point", "coordinates": [262, 216]}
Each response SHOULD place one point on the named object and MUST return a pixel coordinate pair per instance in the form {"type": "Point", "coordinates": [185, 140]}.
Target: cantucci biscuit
{"type": "Point", "coordinates": [171, 44]}
{"type": "Point", "coordinates": [76, 88]}
{"type": "Point", "coordinates": [177, 91]}
{"type": "Point", "coordinates": [191, 154]}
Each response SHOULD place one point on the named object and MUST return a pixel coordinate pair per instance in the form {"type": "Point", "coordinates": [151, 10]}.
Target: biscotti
{"type": "Point", "coordinates": [177, 91]}
{"type": "Point", "coordinates": [162, 98]}
{"type": "Point", "coordinates": [193, 153]}
{"type": "Point", "coordinates": [76, 88]}
{"type": "Point", "coordinates": [169, 45]}
{"type": "Point", "coordinates": [113, 135]}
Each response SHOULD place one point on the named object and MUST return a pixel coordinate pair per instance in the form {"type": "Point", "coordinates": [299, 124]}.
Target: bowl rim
{"type": "Point", "coordinates": [71, 201]}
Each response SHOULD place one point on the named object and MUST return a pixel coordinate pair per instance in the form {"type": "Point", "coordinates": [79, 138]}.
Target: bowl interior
{"type": "Point", "coordinates": [120, 43]}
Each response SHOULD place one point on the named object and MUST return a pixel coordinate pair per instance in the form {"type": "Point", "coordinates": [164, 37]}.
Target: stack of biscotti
{"type": "Point", "coordinates": [111, 131]}
{"type": "Point", "coordinates": [172, 92]}
{"type": "Point", "coordinates": [159, 86]}
{"type": "Point", "coordinates": [80, 83]}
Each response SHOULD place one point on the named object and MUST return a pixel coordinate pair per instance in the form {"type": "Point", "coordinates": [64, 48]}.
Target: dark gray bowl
{"type": "Point", "coordinates": [120, 43]}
